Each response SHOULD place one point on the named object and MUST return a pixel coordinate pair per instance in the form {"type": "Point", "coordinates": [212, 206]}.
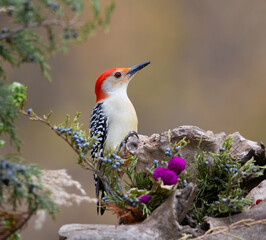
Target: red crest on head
{"type": "Point", "coordinates": [100, 94]}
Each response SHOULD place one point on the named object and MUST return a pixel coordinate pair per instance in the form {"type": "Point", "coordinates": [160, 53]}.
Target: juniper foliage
{"type": "Point", "coordinates": [31, 32]}
{"type": "Point", "coordinates": [21, 41]}
{"type": "Point", "coordinates": [12, 97]}
{"type": "Point", "coordinates": [21, 185]}
{"type": "Point", "coordinates": [107, 168]}
{"type": "Point", "coordinates": [220, 179]}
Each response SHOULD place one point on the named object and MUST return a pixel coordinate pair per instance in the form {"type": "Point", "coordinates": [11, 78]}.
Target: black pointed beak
{"type": "Point", "coordinates": [133, 70]}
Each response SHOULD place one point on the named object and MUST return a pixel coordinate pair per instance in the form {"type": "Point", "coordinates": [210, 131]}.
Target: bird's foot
{"type": "Point", "coordinates": [124, 143]}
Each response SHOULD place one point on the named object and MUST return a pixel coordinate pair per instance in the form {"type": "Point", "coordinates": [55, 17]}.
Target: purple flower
{"type": "Point", "coordinates": [177, 165]}
{"type": "Point", "coordinates": [145, 199]}
{"type": "Point", "coordinates": [159, 172]}
{"type": "Point", "coordinates": [167, 176]}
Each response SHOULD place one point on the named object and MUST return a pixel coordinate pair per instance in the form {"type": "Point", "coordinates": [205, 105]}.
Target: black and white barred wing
{"type": "Point", "coordinates": [99, 128]}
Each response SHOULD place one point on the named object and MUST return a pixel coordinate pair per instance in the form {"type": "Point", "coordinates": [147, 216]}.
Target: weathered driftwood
{"type": "Point", "coordinates": [164, 223]}
{"type": "Point", "coordinates": [147, 149]}
{"type": "Point", "coordinates": [250, 224]}
{"type": "Point", "coordinates": [258, 193]}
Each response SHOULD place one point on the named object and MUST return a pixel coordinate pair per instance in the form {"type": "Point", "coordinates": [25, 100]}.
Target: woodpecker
{"type": "Point", "coordinates": [113, 116]}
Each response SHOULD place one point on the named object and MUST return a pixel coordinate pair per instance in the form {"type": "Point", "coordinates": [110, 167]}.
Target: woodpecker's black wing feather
{"type": "Point", "coordinates": [99, 128]}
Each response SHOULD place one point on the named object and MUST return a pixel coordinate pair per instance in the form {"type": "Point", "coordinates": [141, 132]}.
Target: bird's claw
{"type": "Point", "coordinates": [124, 142]}
{"type": "Point", "coordinates": [131, 134]}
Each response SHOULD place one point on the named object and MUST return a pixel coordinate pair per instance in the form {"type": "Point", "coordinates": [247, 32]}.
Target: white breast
{"type": "Point", "coordinates": [122, 119]}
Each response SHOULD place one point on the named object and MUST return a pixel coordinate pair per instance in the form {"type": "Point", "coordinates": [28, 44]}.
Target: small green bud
{"type": "Point", "coordinates": [18, 91]}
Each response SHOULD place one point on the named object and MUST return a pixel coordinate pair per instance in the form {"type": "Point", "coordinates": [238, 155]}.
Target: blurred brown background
{"type": "Point", "coordinates": [208, 68]}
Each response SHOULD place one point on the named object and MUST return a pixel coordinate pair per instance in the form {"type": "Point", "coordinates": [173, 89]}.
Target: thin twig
{"type": "Point", "coordinates": [44, 24]}
{"type": "Point", "coordinates": [90, 166]}
{"type": "Point", "coordinates": [37, 118]}
{"type": "Point", "coordinates": [215, 228]}
{"type": "Point", "coordinates": [244, 221]}
{"type": "Point", "coordinates": [227, 228]}
{"type": "Point", "coordinates": [232, 235]}
{"type": "Point", "coordinates": [20, 225]}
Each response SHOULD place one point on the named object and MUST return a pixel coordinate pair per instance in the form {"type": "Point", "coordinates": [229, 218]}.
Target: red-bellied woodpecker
{"type": "Point", "coordinates": [113, 116]}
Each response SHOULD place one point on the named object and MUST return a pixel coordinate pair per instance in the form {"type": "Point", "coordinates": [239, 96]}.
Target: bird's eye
{"type": "Point", "coordinates": [118, 74]}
